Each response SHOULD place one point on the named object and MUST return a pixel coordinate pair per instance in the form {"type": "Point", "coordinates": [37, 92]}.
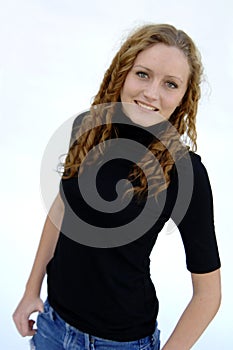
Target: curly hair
{"type": "Point", "coordinates": [183, 118]}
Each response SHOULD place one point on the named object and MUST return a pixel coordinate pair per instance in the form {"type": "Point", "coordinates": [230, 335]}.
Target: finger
{"type": "Point", "coordinates": [25, 327]}
{"type": "Point", "coordinates": [31, 333]}
{"type": "Point", "coordinates": [31, 324]}
{"type": "Point", "coordinates": [20, 324]}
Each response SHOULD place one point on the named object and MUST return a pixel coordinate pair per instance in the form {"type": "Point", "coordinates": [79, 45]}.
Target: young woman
{"type": "Point", "coordinates": [100, 294]}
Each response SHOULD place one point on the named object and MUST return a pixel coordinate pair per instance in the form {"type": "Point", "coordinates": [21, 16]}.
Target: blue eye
{"type": "Point", "coordinates": [171, 85]}
{"type": "Point", "coordinates": [142, 75]}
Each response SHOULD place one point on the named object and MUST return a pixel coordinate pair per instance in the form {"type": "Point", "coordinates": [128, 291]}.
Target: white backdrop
{"type": "Point", "coordinates": [53, 57]}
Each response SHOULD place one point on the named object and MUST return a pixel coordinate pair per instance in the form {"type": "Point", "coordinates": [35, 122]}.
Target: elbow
{"type": "Point", "coordinates": [210, 302]}
{"type": "Point", "coordinates": [216, 296]}
{"type": "Point", "coordinates": [207, 291]}
{"type": "Point", "coordinates": [218, 299]}
{"type": "Point", "coordinates": [215, 305]}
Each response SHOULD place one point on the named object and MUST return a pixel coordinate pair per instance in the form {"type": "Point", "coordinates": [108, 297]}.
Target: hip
{"type": "Point", "coordinates": [54, 333]}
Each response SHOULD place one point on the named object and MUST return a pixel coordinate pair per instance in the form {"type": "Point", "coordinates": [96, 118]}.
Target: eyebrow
{"type": "Point", "coordinates": [150, 70]}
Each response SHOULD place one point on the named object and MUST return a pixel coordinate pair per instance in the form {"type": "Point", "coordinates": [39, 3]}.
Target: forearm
{"type": "Point", "coordinates": [46, 249]}
{"type": "Point", "coordinates": [196, 317]}
{"type": "Point", "coordinates": [31, 301]}
{"type": "Point", "coordinates": [191, 325]}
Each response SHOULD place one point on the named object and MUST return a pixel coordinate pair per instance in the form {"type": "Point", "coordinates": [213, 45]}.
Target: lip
{"type": "Point", "coordinates": [146, 106]}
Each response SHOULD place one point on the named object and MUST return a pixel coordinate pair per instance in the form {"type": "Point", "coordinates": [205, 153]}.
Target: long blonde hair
{"type": "Point", "coordinates": [183, 118]}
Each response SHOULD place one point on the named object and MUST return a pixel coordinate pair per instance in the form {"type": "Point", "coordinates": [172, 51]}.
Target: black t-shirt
{"type": "Point", "coordinates": [107, 291]}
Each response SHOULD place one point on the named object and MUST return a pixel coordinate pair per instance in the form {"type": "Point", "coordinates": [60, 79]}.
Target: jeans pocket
{"type": "Point", "coordinates": [48, 311]}
{"type": "Point", "coordinates": [47, 307]}
{"type": "Point", "coordinates": [45, 320]}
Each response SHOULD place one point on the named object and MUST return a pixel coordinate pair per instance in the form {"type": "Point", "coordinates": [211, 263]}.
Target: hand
{"type": "Point", "coordinates": [21, 316]}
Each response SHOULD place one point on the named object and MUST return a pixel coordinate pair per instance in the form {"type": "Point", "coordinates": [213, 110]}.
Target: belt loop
{"type": "Point", "coordinates": [92, 341]}
{"type": "Point", "coordinates": [87, 341]}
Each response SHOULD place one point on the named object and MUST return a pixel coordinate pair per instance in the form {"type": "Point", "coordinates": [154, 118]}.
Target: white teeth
{"type": "Point", "coordinates": [146, 106]}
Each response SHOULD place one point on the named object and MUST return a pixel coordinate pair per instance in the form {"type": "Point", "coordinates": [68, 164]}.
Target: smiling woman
{"type": "Point", "coordinates": [100, 292]}
{"type": "Point", "coordinates": [156, 83]}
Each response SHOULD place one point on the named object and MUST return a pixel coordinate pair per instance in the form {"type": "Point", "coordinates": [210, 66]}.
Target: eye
{"type": "Point", "coordinates": [142, 75]}
{"type": "Point", "coordinates": [171, 85]}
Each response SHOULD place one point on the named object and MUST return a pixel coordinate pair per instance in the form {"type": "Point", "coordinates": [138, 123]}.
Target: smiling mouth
{"type": "Point", "coordinates": [147, 107]}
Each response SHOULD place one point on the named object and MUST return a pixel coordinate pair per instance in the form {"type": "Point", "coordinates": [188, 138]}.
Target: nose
{"type": "Point", "coordinates": [151, 91]}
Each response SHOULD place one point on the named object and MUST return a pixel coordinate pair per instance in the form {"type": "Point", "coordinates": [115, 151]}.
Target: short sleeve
{"type": "Point", "coordinates": [197, 226]}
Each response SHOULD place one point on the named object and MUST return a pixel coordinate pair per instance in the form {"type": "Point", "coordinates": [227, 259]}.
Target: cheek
{"type": "Point", "coordinates": [123, 93]}
{"type": "Point", "coordinates": [173, 102]}
{"type": "Point", "coordinates": [170, 103]}
{"type": "Point", "coordinates": [128, 88]}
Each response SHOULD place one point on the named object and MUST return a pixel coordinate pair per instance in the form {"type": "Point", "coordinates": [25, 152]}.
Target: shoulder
{"type": "Point", "coordinates": [78, 119]}
{"type": "Point", "coordinates": [189, 156]}
{"type": "Point", "coordinates": [192, 173]}
{"type": "Point", "coordinates": [199, 169]}
{"type": "Point", "coordinates": [192, 161]}
{"type": "Point", "coordinates": [201, 182]}
{"type": "Point", "coordinates": [196, 158]}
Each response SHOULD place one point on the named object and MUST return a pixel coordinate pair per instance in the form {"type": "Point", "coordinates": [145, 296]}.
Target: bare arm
{"type": "Point", "coordinates": [31, 301]}
{"type": "Point", "coordinates": [199, 312]}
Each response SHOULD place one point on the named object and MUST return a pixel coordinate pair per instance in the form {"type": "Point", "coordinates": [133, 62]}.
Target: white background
{"type": "Point", "coordinates": [53, 54]}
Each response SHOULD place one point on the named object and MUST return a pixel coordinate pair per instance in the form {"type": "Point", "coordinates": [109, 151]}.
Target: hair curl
{"type": "Point", "coordinates": [183, 118]}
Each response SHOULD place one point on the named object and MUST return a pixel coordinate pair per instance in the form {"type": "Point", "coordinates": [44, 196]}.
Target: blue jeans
{"type": "Point", "coordinates": [55, 334]}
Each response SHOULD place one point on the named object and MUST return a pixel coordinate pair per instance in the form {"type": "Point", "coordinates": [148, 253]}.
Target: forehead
{"type": "Point", "coordinates": [167, 59]}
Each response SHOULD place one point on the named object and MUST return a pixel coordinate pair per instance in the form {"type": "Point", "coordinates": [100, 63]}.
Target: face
{"type": "Point", "coordinates": [155, 85]}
